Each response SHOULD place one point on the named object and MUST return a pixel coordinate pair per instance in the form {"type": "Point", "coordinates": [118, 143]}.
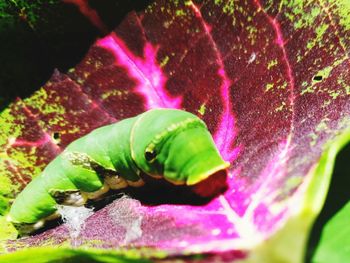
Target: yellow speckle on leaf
{"type": "Point", "coordinates": [268, 87]}
{"type": "Point", "coordinates": [272, 63]}
{"type": "Point", "coordinates": [307, 90]}
{"type": "Point", "coordinates": [284, 85]}
{"type": "Point", "coordinates": [298, 24]}
{"type": "Point", "coordinates": [313, 138]}
{"type": "Point", "coordinates": [299, 58]}
{"type": "Point", "coordinates": [342, 8]}
{"type": "Point", "coordinates": [114, 92]}
{"type": "Point", "coordinates": [202, 109]}
{"type": "Point", "coordinates": [344, 85]}
{"type": "Point", "coordinates": [73, 130]}
{"type": "Point", "coordinates": [280, 108]}
{"type": "Point", "coordinates": [229, 7]}
{"type": "Point", "coordinates": [334, 94]}
{"type": "Point", "coordinates": [7, 121]}
{"type": "Point", "coordinates": [320, 30]}
{"type": "Point", "coordinates": [164, 61]}
{"type": "Point", "coordinates": [326, 103]}
{"type": "Point", "coordinates": [180, 12]}
{"type": "Point", "coordinates": [322, 126]}
{"type": "Point", "coordinates": [347, 90]}
{"type": "Point", "coordinates": [310, 44]}
{"type": "Point", "coordinates": [290, 16]}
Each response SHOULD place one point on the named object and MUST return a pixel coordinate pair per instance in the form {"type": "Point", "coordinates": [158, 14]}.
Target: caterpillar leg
{"type": "Point", "coordinates": [27, 228]}
{"type": "Point", "coordinates": [53, 216]}
{"type": "Point", "coordinates": [69, 197]}
{"type": "Point", "coordinates": [137, 183]}
{"type": "Point", "coordinates": [115, 182]}
{"type": "Point", "coordinates": [97, 194]}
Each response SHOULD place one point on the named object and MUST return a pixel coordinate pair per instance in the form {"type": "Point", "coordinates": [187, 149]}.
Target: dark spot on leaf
{"type": "Point", "coordinates": [317, 78]}
{"type": "Point", "coordinates": [56, 135]}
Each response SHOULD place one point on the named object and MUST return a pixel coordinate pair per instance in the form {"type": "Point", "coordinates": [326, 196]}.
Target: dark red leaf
{"type": "Point", "coordinates": [271, 81]}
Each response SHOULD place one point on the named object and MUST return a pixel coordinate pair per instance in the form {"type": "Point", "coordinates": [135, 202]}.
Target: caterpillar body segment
{"type": "Point", "coordinates": [162, 143]}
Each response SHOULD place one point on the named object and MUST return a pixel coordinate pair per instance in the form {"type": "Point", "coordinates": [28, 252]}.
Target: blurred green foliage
{"type": "Point", "coordinates": [337, 197]}
{"type": "Point", "coordinates": [334, 245]}
{"type": "Point", "coordinates": [57, 255]}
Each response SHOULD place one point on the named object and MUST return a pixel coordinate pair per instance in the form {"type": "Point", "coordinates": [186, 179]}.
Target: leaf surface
{"type": "Point", "coordinates": [269, 78]}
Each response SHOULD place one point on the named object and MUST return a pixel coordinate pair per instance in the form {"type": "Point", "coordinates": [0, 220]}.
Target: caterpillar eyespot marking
{"type": "Point", "coordinates": [173, 144]}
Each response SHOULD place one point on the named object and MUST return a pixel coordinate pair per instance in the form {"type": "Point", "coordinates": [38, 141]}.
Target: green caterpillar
{"type": "Point", "coordinates": [168, 143]}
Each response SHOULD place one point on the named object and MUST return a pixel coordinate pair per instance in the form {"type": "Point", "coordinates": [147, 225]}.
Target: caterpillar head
{"type": "Point", "coordinates": [175, 145]}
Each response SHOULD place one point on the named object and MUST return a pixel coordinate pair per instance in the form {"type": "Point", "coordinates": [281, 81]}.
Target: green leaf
{"type": "Point", "coordinates": [334, 245]}
{"type": "Point", "coordinates": [57, 255]}
{"type": "Point", "coordinates": [7, 230]}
